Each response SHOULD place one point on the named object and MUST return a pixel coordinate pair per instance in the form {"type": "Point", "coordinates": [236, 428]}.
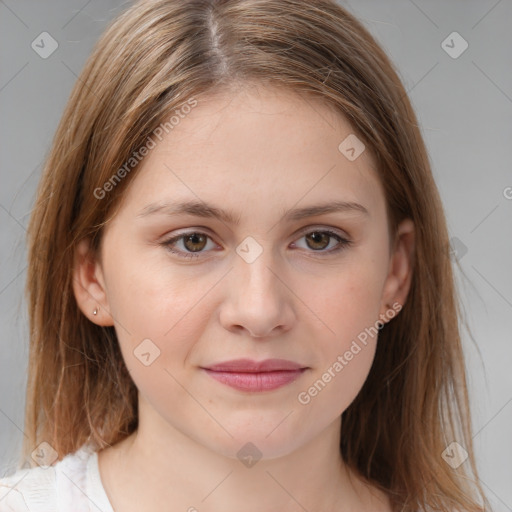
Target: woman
{"type": "Point", "coordinates": [240, 289]}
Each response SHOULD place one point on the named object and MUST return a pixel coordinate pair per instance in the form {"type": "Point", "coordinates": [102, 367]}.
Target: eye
{"type": "Point", "coordinates": [320, 239]}
{"type": "Point", "coordinates": [193, 243]}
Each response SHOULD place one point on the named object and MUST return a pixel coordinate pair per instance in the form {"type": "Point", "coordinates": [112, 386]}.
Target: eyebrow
{"type": "Point", "coordinates": [202, 209]}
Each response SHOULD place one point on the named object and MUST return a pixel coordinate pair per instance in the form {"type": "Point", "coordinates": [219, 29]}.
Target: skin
{"type": "Point", "coordinates": [258, 153]}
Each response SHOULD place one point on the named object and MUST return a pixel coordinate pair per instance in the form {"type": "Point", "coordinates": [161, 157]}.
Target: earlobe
{"type": "Point", "coordinates": [398, 281]}
{"type": "Point", "coordinates": [89, 285]}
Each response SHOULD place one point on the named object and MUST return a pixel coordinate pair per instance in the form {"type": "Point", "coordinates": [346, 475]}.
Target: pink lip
{"type": "Point", "coordinates": [249, 375]}
{"type": "Point", "coordinates": [248, 365]}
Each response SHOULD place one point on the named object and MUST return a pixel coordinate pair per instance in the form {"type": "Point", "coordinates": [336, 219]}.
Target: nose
{"type": "Point", "coordinates": [258, 299]}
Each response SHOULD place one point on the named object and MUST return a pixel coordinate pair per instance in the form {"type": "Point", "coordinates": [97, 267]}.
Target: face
{"type": "Point", "coordinates": [270, 279]}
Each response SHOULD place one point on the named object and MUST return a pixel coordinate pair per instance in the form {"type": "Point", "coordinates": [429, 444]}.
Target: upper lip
{"type": "Point", "coordinates": [251, 366]}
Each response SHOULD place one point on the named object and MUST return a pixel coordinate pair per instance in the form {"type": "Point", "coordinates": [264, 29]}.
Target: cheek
{"type": "Point", "coordinates": [331, 390]}
{"type": "Point", "coordinates": [343, 365]}
{"type": "Point", "coordinates": [349, 306]}
{"type": "Point", "coordinates": [157, 320]}
{"type": "Point", "coordinates": [147, 303]}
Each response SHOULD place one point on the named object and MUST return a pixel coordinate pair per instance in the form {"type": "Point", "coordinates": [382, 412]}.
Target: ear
{"type": "Point", "coordinates": [89, 285]}
{"type": "Point", "coordinates": [399, 278]}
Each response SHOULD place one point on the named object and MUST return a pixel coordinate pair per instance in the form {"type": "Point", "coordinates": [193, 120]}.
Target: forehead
{"type": "Point", "coordinates": [260, 146]}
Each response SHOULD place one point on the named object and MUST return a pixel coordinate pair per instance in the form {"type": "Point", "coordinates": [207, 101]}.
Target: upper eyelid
{"type": "Point", "coordinates": [301, 232]}
{"type": "Point", "coordinates": [307, 229]}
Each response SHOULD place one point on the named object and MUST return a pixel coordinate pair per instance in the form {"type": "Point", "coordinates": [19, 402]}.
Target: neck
{"type": "Point", "coordinates": [162, 468]}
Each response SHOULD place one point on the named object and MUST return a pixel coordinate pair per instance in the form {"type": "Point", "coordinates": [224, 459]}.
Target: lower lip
{"type": "Point", "coordinates": [262, 381]}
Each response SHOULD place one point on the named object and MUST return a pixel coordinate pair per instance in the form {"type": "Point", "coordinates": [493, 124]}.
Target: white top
{"type": "Point", "coordinates": [72, 484]}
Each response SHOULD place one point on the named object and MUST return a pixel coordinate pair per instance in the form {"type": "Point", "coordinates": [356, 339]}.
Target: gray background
{"type": "Point", "coordinates": [464, 106]}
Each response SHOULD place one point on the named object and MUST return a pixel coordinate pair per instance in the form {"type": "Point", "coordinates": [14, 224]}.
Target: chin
{"type": "Point", "coordinates": [256, 442]}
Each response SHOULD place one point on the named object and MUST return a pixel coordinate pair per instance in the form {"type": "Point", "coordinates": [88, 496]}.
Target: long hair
{"type": "Point", "coordinates": [157, 57]}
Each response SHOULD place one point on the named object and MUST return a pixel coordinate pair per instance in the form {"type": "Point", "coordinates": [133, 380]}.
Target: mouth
{"type": "Point", "coordinates": [254, 376]}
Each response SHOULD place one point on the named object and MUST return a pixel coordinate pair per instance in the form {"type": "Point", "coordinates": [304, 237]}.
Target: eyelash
{"type": "Point", "coordinates": [343, 243]}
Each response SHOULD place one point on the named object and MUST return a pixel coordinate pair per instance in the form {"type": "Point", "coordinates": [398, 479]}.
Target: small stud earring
{"type": "Point", "coordinates": [95, 312]}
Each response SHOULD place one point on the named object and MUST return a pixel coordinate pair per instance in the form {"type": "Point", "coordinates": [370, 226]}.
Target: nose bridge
{"type": "Point", "coordinates": [257, 298]}
{"type": "Point", "coordinates": [255, 268]}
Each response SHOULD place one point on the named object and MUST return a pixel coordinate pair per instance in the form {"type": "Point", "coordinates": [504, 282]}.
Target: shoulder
{"type": "Point", "coordinates": [52, 488]}
{"type": "Point", "coordinates": [28, 490]}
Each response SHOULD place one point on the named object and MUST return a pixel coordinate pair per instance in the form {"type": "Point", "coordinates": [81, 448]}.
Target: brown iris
{"type": "Point", "coordinates": [318, 238]}
{"type": "Point", "coordinates": [192, 241]}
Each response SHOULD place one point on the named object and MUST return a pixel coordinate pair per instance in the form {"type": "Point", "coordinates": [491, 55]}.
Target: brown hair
{"type": "Point", "coordinates": [157, 56]}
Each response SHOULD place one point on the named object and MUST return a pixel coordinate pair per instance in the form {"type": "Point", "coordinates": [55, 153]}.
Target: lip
{"type": "Point", "coordinates": [256, 376]}
{"type": "Point", "coordinates": [251, 366]}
